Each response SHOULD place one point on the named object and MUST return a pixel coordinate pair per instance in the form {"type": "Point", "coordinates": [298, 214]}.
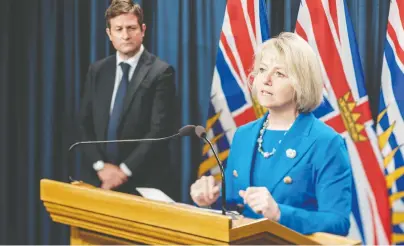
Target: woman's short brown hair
{"type": "Point", "coordinates": [118, 7]}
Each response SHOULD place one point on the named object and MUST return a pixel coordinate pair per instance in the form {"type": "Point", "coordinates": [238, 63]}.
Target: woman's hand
{"type": "Point", "coordinates": [261, 202]}
{"type": "Point", "coordinates": [205, 191]}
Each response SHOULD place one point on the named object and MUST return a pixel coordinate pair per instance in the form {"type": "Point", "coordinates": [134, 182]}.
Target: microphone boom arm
{"type": "Point", "coordinates": [184, 131]}
{"type": "Point", "coordinates": [222, 174]}
{"type": "Point", "coordinates": [123, 141]}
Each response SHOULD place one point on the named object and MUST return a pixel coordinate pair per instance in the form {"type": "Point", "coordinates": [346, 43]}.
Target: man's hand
{"type": "Point", "coordinates": [111, 176]}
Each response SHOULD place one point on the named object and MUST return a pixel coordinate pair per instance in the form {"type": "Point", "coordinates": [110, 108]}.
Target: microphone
{"type": "Point", "coordinates": [201, 133]}
{"type": "Point", "coordinates": [187, 130]}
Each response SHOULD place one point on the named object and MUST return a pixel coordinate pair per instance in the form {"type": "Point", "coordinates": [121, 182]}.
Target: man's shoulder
{"type": "Point", "coordinates": [97, 65]}
{"type": "Point", "coordinates": [157, 63]}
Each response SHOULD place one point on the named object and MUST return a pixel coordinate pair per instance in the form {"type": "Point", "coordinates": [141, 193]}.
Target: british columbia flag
{"type": "Point", "coordinates": [390, 124]}
{"type": "Point", "coordinates": [327, 26]}
{"type": "Point", "coordinates": [245, 27]}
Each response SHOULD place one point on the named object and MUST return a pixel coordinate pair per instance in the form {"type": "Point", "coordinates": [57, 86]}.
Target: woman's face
{"type": "Point", "coordinates": [274, 88]}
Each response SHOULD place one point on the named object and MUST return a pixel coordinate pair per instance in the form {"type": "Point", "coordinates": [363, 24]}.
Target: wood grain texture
{"type": "Point", "coordinates": [245, 231]}
{"type": "Point", "coordinates": [137, 209]}
{"type": "Point", "coordinates": [265, 226]}
{"type": "Point", "coordinates": [327, 239]}
{"type": "Point", "coordinates": [81, 236]}
{"type": "Point", "coordinates": [98, 216]}
{"type": "Point", "coordinates": [125, 229]}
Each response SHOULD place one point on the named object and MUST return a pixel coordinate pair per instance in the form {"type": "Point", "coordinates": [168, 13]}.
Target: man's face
{"type": "Point", "coordinates": [125, 34]}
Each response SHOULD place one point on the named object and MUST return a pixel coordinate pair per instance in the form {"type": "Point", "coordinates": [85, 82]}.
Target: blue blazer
{"type": "Point", "coordinates": [316, 195]}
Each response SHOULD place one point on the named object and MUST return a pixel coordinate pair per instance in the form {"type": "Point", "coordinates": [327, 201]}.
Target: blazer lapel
{"type": "Point", "coordinates": [107, 82]}
{"type": "Point", "coordinates": [296, 139]}
{"type": "Point", "coordinates": [142, 68]}
{"type": "Point", "coordinates": [250, 149]}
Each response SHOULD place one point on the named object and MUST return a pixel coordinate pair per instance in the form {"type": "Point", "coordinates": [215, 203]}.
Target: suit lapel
{"type": "Point", "coordinates": [250, 149]}
{"type": "Point", "coordinates": [142, 68]}
{"type": "Point", "coordinates": [296, 139]}
{"type": "Point", "coordinates": [107, 82]}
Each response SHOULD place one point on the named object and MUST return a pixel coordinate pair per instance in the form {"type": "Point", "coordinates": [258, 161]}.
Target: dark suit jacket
{"type": "Point", "coordinates": [148, 113]}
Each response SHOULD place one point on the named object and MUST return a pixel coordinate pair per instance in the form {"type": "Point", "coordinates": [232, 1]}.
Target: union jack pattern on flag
{"type": "Point", "coordinates": [245, 27]}
{"type": "Point", "coordinates": [390, 124]}
{"type": "Point", "coordinates": [326, 25]}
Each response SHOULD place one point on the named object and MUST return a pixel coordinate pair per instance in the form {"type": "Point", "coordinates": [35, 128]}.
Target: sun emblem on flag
{"type": "Point", "coordinates": [350, 118]}
{"type": "Point", "coordinates": [383, 139]}
{"type": "Point", "coordinates": [391, 178]}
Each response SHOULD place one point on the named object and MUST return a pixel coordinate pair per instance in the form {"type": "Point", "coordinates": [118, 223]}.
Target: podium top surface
{"type": "Point", "coordinates": [90, 207]}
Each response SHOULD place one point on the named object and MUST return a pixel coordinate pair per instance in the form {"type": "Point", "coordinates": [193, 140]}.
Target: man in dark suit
{"type": "Point", "coordinates": [130, 95]}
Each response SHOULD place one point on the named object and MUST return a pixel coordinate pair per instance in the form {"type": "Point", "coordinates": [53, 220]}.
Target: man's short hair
{"type": "Point", "coordinates": [118, 7]}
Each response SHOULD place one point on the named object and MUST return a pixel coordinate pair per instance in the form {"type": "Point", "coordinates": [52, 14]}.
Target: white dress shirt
{"type": "Point", "coordinates": [133, 61]}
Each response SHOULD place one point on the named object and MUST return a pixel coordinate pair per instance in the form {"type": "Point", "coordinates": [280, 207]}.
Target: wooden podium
{"type": "Point", "coordinates": [99, 216]}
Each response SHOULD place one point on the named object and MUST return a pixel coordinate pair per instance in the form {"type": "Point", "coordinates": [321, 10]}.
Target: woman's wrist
{"type": "Point", "coordinates": [277, 216]}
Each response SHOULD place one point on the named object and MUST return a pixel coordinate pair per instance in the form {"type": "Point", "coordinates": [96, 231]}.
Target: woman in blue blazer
{"type": "Point", "coordinates": [287, 166]}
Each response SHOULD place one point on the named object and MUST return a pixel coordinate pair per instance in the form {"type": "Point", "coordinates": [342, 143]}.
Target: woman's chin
{"type": "Point", "coordinates": [266, 103]}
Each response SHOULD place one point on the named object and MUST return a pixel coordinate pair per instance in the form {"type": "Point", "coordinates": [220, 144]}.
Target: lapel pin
{"type": "Point", "coordinates": [235, 174]}
{"type": "Point", "coordinates": [287, 180]}
{"type": "Point", "coordinates": [291, 153]}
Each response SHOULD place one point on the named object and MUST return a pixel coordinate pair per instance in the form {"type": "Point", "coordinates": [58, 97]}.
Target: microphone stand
{"type": "Point", "coordinates": [184, 131]}
{"type": "Point", "coordinates": [201, 133]}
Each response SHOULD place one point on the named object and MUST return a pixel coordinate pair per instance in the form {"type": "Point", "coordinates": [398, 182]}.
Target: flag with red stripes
{"type": "Point", "coordinates": [327, 26]}
{"type": "Point", "coordinates": [245, 27]}
{"type": "Point", "coordinates": [390, 123]}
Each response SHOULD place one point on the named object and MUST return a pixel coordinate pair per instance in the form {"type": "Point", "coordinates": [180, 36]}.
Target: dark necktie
{"type": "Point", "coordinates": [112, 148]}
